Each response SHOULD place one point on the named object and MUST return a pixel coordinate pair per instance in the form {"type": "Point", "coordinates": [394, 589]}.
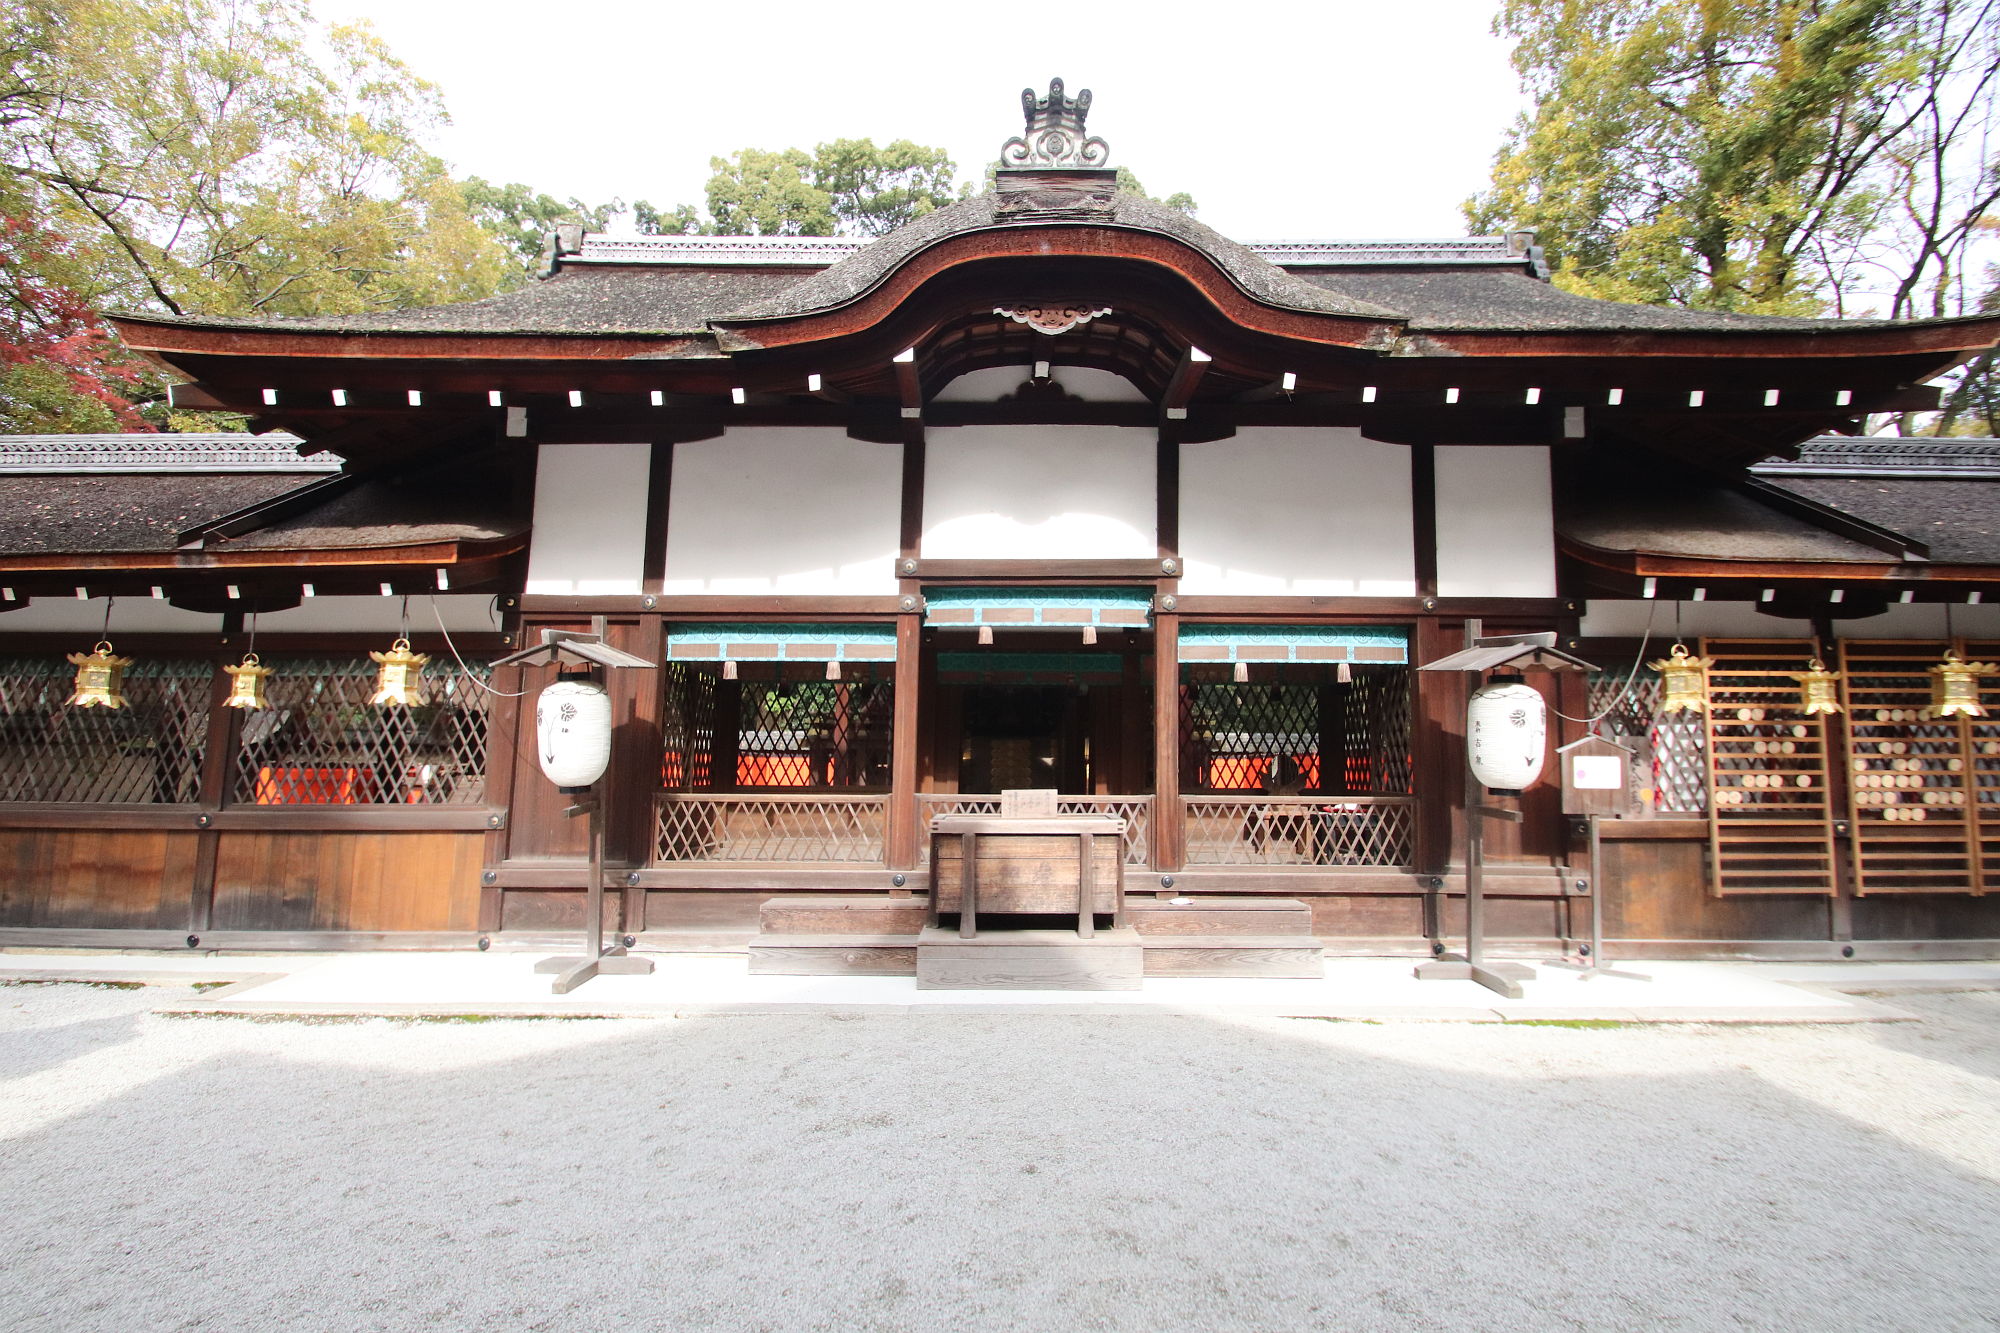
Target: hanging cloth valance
{"type": "Point", "coordinates": [1039, 608]}
{"type": "Point", "coordinates": [781, 643]}
{"type": "Point", "coordinates": [1294, 643]}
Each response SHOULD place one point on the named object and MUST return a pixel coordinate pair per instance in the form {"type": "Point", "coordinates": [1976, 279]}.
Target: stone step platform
{"type": "Point", "coordinates": [826, 936]}
{"type": "Point", "coordinates": [1110, 959]}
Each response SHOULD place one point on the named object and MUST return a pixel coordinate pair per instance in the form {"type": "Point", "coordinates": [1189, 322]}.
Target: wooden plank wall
{"type": "Point", "coordinates": [347, 881]}
{"type": "Point", "coordinates": [97, 879]}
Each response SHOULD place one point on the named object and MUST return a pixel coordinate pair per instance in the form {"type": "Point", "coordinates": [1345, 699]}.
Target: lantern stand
{"type": "Point", "coordinates": [569, 648]}
{"type": "Point", "coordinates": [1484, 654]}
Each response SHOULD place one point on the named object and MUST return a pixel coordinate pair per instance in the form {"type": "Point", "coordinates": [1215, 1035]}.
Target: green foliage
{"type": "Point", "coordinates": [222, 157]}
{"type": "Point", "coordinates": [848, 187]}
{"type": "Point", "coordinates": [761, 193]}
{"type": "Point", "coordinates": [1776, 156]}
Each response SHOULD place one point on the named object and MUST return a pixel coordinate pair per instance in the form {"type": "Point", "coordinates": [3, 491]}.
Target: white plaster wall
{"type": "Point", "coordinates": [462, 613]}
{"type": "Point", "coordinates": [776, 510]}
{"type": "Point", "coordinates": [1039, 493]}
{"type": "Point", "coordinates": [1735, 620]}
{"type": "Point", "coordinates": [1923, 621]}
{"type": "Point", "coordinates": [590, 519]}
{"type": "Point", "coordinates": [1495, 521]}
{"type": "Point", "coordinates": [996, 382]}
{"type": "Point", "coordinates": [1627, 620]}
{"type": "Point", "coordinates": [1310, 513]}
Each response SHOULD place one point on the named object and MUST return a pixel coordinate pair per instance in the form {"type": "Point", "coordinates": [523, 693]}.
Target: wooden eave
{"type": "Point", "coordinates": [1649, 564]}
{"type": "Point", "coordinates": [223, 559]}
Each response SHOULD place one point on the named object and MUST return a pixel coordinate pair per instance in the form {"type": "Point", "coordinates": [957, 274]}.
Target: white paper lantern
{"type": "Point", "coordinates": [573, 732]}
{"type": "Point", "coordinates": [1506, 730]}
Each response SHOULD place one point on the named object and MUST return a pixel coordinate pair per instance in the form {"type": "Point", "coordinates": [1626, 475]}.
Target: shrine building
{"type": "Point", "coordinates": [1054, 488]}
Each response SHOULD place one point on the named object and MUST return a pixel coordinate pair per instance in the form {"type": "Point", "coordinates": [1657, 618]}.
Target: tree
{"type": "Point", "coordinates": [226, 157]}
{"type": "Point", "coordinates": [1779, 156]}
{"type": "Point", "coordinates": [848, 186]}
{"type": "Point", "coordinates": [60, 370]}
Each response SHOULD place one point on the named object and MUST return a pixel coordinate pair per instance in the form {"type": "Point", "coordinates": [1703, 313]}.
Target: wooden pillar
{"type": "Point", "coordinates": [903, 739]}
{"type": "Point", "coordinates": [1423, 517]}
{"type": "Point", "coordinates": [1437, 744]}
{"type": "Point", "coordinates": [728, 737]}
{"type": "Point", "coordinates": [1169, 819]}
{"type": "Point", "coordinates": [504, 713]}
{"type": "Point", "coordinates": [218, 762]}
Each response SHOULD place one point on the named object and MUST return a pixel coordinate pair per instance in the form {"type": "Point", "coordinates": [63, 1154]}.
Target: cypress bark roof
{"type": "Point", "coordinates": [677, 287]}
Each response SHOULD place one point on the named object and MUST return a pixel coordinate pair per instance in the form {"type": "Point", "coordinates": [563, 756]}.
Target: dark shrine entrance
{"type": "Point", "coordinates": [1025, 736]}
{"type": "Point", "coordinates": [1077, 722]}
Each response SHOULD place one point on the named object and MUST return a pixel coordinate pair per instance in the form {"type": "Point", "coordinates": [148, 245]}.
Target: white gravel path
{"type": "Point", "coordinates": [1004, 1171]}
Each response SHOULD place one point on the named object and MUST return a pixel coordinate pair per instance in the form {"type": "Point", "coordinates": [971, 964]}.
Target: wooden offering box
{"type": "Point", "coordinates": [1027, 865]}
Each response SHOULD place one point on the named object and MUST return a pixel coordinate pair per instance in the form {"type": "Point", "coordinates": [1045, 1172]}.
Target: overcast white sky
{"type": "Point", "coordinates": [1284, 118]}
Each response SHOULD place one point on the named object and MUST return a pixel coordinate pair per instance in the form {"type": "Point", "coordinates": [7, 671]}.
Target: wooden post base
{"type": "Point", "coordinates": [573, 972]}
{"type": "Point", "coordinates": [1503, 978]}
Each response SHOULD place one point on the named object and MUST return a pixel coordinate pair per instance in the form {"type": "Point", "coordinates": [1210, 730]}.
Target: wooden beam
{"type": "Point", "coordinates": [1182, 384]}
{"type": "Point", "coordinates": [659, 494]}
{"type": "Point", "coordinates": [910, 396]}
{"type": "Point", "coordinates": [1424, 517]}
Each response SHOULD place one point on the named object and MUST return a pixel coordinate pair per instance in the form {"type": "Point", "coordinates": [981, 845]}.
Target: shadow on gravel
{"type": "Point", "coordinates": [971, 1172]}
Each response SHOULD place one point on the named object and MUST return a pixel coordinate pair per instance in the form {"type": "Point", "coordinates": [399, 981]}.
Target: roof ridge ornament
{"type": "Point", "coordinates": [1055, 135]}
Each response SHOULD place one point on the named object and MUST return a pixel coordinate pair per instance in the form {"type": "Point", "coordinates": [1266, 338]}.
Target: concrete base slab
{"type": "Point", "coordinates": [407, 984]}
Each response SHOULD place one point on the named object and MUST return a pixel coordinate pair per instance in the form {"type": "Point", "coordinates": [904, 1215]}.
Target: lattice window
{"type": "Point", "coordinates": [1306, 733]}
{"type": "Point", "coordinates": [320, 742]}
{"type": "Point", "coordinates": [1676, 742]}
{"type": "Point", "coordinates": [1914, 782]}
{"type": "Point", "coordinates": [687, 762]}
{"type": "Point", "coordinates": [816, 733]}
{"type": "Point", "coordinates": [1375, 731]}
{"type": "Point", "coordinates": [148, 751]}
{"type": "Point", "coordinates": [1770, 802]}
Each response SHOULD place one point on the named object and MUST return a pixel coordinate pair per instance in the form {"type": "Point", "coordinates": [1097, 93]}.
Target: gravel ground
{"type": "Point", "coordinates": [970, 1171]}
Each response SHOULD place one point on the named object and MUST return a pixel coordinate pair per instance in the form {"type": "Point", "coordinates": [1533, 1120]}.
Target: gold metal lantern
{"type": "Point", "coordinates": [1955, 687]}
{"type": "Point", "coordinates": [399, 677]}
{"type": "Point", "coordinates": [100, 678]}
{"type": "Point", "coordinates": [1818, 689]}
{"type": "Point", "coordinates": [1684, 681]}
{"type": "Point", "coordinates": [246, 684]}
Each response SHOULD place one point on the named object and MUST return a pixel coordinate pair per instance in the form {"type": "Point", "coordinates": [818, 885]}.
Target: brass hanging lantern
{"type": "Point", "coordinates": [246, 684]}
{"type": "Point", "coordinates": [1817, 689]}
{"type": "Point", "coordinates": [100, 678]}
{"type": "Point", "coordinates": [1684, 681]}
{"type": "Point", "coordinates": [399, 679]}
{"type": "Point", "coordinates": [1954, 687]}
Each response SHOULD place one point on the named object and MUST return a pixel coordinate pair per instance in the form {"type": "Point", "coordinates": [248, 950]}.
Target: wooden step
{"type": "Point", "coordinates": [1274, 956]}
{"type": "Point", "coordinates": [1030, 960]}
{"type": "Point", "coordinates": [890, 955]}
{"type": "Point", "coordinates": [1219, 916]}
{"type": "Point", "coordinates": [828, 914]}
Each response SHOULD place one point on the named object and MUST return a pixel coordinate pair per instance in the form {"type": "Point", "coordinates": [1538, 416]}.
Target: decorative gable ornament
{"type": "Point", "coordinates": [1055, 135]}
{"type": "Point", "coordinates": [1051, 319]}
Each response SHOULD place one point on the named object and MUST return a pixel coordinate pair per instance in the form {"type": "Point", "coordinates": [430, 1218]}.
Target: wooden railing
{"type": "Point", "coordinates": [1300, 830]}
{"type": "Point", "coordinates": [846, 830]}
{"type": "Point", "coordinates": [1136, 811]}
